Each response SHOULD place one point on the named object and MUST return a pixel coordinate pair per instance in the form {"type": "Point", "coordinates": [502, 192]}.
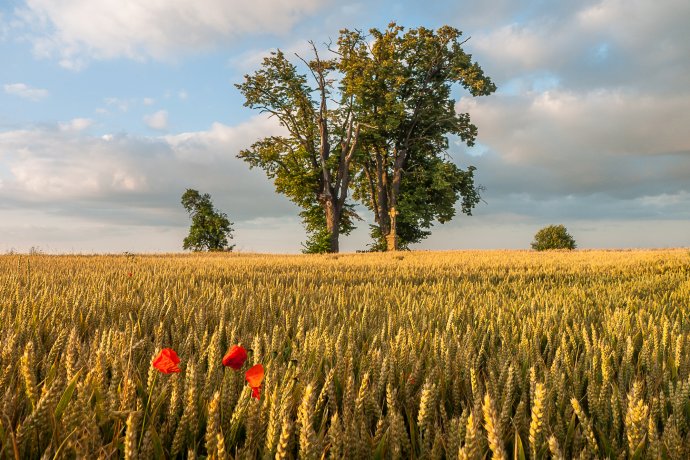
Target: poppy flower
{"type": "Point", "coordinates": [129, 274]}
{"type": "Point", "coordinates": [235, 357]}
{"type": "Point", "coordinates": [254, 376]}
{"type": "Point", "coordinates": [167, 361]}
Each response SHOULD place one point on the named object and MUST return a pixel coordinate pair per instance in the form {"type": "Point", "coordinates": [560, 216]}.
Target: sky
{"type": "Point", "coordinates": [111, 109]}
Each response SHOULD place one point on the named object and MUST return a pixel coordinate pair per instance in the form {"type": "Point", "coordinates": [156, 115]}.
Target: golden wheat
{"type": "Point", "coordinates": [439, 355]}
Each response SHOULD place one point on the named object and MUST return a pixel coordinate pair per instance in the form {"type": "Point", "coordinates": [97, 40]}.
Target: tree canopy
{"type": "Point", "coordinates": [553, 237]}
{"type": "Point", "coordinates": [312, 164]}
{"type": "Point", "coordinates": [401, 85]}
{"type": "Point", "coordinates": [374, 119]}
{"type": "Point", "coordinates": [210, 229]}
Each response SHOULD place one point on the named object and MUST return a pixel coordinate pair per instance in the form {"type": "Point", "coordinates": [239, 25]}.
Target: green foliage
{"type": "Point", "coordinates": [311, 165]}
{"type": "Point", "coordinates": [430, 191]}
{"type": "Point", "coordinates": [553, 237]}
{"type": "Point", "coordinates": [318, 236]}
{"type": "Point", "coordinates": [396, 85]}
{"type": "Point", "coordinates": [401, 84]}
{"type": "Point", "coordinates": [210, 229]}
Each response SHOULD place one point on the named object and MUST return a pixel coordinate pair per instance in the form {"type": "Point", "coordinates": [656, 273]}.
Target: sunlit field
{"type": "Point", "coordinates": [499, 354]}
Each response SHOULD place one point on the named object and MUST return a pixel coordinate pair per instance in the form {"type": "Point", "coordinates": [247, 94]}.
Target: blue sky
{"type": "Point", "coordinates": [109, 110]}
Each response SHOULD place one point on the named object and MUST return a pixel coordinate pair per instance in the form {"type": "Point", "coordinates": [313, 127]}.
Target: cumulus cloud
{"type": "Point", "coordinates": [82, 175]}
{"type": "Point", "coordinates": [78, 30]}
{"type": "Point", "coordinates": [610, 121]}
{"type": "Point", "coordinates": [122, 192]}
{"type": "Point", "coordinates": [591, 112]}
{"type": "Point", "coordinates": [558, 143]}
{"type": "Point", "coordinates": [49, 165]}
{"type": "Point", "coordinates": [158, 120]}
{"type": "Point", "coordinates": [25, 91]}
{"type": "Point", "coordinates": [604, 43]}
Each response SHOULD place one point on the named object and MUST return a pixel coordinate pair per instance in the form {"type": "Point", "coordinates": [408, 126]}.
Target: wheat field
{"type": "Point", "coordinates": [477, 354]}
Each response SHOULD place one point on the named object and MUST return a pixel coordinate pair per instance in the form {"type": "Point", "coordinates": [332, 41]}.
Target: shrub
{"type": "Point", "coordinates": [553, 237]}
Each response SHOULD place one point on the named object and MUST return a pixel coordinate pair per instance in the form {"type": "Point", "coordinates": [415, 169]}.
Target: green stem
{"type": "Point", "coordinates": [146, 410]}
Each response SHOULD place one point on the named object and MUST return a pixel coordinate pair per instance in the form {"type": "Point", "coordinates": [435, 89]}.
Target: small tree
{"type": "Point", "coordinates": [210, 228]}
{"type": "Point", "coordinates": [553, 237]}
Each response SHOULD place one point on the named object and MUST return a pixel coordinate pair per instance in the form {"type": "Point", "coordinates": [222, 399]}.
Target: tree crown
{"type": "Point", "coordinates": [553, 237]}
{"type": "Point", "coordinates": [210, 229]}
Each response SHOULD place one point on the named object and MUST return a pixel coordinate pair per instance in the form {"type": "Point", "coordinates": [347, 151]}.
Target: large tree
{"type": "Point", "coordinates": [312, 163]}
{"type": "Point", "coordinates": [210, 229]}
{"type": "Point", "coordinates": [400, 82]}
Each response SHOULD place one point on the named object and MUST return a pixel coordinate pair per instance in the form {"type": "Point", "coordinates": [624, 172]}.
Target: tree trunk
{"type": "Point", "coordinates": [333, 224]}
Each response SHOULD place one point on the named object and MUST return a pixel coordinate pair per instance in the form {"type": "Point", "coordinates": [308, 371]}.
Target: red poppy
{"type": "Point", "coordinates": [167, 361]}
{"type": "Point", "coordinates": [254, 376]}
{"type": "Point", "coordinates": [129, 274]}
{"type": "Point", "coordinates": [235, 357]}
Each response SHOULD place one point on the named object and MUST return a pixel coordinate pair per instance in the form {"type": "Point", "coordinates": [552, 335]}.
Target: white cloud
{"type": "Point", "coordinates": [78, 30]}
{"type": "Point", "coordinates": [158, 120]}
{"type": "Point", "coordinates": [203, 146]}
{"type": "Point", "coordinates": [633, 22]}
{"type": "Point", "coordinates": [564, 123]}
{"type": "Point", "coordinates": [52, 165]}
{"type": "Point", "coordinates": [74, 172]}
{"type": "Point", "coordinates": [605, 43]}
{"type": "Point", "coordinates": [560, 143]}
{"type": "Point", "coordinates": [516, 47]}
{"type": "Point", "coordinates": [25, 91]}
{"type": "Point", "coordinates": [149, 101]}
{"type": "Point", "coordinates": [76, 124]}
{"type": "Point", "coordinates": [592, 101]}
{"type": "Point", "coordinates": [561, 123]}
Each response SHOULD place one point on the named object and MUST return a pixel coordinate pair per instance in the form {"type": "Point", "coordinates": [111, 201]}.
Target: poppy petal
{"type": "Point", "coordinates": [235, 357]}
{"type": "Point", "coordinates": [167, 361]}
{"type": "Point", "coordinates": [171, 355]}
{"type": "Point", "coordinates": [255, 375]}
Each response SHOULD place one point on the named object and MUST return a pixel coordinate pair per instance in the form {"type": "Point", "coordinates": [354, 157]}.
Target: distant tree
{"type": "Point", "coordinates": [553, 237]}
{"type": "Point", "coordinates": [210, 229]}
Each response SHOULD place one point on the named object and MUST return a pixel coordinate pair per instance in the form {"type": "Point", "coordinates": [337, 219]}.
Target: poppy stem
{"type": "Point", "coordinates": [146, 410]}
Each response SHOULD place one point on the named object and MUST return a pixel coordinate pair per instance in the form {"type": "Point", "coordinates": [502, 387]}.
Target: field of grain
{"type": "Point", "coordinates": [492, 354]}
